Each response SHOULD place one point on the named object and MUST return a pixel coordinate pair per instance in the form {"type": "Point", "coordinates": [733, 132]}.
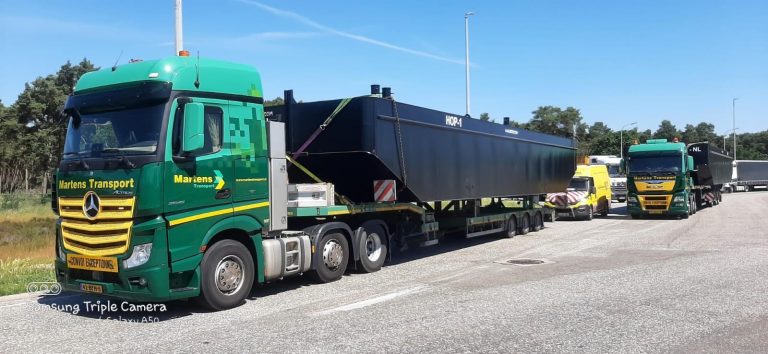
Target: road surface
{"type": "Point", "coordinates": [608, 285]}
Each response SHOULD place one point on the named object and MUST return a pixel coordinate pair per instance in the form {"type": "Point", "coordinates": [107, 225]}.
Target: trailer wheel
{"type": "Point", "coordinates": [538, 222]}
{"type": "Point", "coordinates": [372, 249]}
{"type": "Point", "coordinates": [525, 226]}
{"type": "Point", "coordinates": [511, 227]}
{"type": "Point", "coordinates": [330, 258]}
{"type": "Point", "coordinates": [227, 275]}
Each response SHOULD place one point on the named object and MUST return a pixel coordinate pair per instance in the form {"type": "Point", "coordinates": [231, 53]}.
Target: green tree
{"type": "Point", "coordinates": [34, 128]}
{"type": "Point", "coordinates": [556, 121]}
{"type": "Point", "coordinates": [278, 101]}
{"type": "Point", "coordinates": [666, 130]}
{"type": "Point", "coordinates": [485, 116]}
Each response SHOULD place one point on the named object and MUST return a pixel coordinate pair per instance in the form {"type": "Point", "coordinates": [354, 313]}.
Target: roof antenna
{"type": "Point", "coordinates": [197, 71]}
{"type": "Point", "coordinates": [114, 67]}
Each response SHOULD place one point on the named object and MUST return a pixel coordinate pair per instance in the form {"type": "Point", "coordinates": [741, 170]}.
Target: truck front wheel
{"type": "Point", "coordinates": [227, 275]}
{"type": "Point", "coordinates": [330, 258]}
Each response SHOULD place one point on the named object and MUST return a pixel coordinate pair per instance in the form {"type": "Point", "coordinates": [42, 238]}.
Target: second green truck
{"type": "Point", "coordinates": [675, 179]}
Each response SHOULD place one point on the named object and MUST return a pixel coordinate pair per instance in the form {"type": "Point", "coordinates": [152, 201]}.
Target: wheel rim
{"type": "Point", "coordinates": [229, 275]}
{"type": "Point", "coordinates": [333, 254]}
{"type": "Point", "coordinates": [373, 247]}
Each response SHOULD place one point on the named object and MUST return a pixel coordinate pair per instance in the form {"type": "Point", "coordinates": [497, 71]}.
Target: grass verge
{"type": "Point", "coordinates": [27, 242]}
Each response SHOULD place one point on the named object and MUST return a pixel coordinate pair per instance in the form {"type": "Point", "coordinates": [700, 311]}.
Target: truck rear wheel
{"type": "Point", "coordinates": [372, 249]}
{"type": "Point", "coordinates": [227, 275]}
{"type": "Point", "coordinates": [511, 227]}
{"type": "Point", "coordinates": [525, 225]}
{"type": "Point", "coordinates": [330, 258]}
{"type": "Point", "coordinates": [538, 222]}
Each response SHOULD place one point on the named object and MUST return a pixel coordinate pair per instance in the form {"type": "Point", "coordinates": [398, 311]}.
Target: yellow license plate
{"type": "Point", "coordinates": [102, 264]}
{"type": "Point", "coordinates": [655, 202]}
{"type": "Point", "coordinates": [655, 211]}
{"type": "Point", "coordinates": [91, 288]}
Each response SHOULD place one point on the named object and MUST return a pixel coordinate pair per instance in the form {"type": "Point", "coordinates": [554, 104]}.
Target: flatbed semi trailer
{"type": "Point", "coordinates": [750, 174]}
{"type": "Point", "coordinates": [175, 184]}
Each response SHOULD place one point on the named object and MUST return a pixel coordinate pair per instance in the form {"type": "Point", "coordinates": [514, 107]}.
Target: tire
{"type": "Point", "coordinates": [372, 249]}
{"type": "Point", "coordinates": [525, 225]}
{"type": "Point", "coordinates": [538, 222]}
{"type": "Point", "coordinates": [511, 227]}
{"type": "Point", "coordinates": [604, 213]}
{"type": "Point", "coordinates": [634, 216]}
{"type": "Point", "coordinates": [590, 214]}
{"type": "Point", "coordinates": [331, 258]}
{"type": "Point", "coordinates": [227, 274]}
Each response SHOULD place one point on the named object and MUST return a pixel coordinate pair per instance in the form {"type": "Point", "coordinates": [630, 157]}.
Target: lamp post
{"type": "Point", "coordinates": [734, 128]}
{"type": "Point", "coordinates": [621, 148]}
{"type": "Point", "coordinates": [466, 47]}
{"type": "Point", "coordinates": [725, 134]}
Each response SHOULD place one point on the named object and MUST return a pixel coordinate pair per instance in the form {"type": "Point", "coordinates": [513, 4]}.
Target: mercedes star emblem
{"type": "Point", "coordinates": [91, 205]}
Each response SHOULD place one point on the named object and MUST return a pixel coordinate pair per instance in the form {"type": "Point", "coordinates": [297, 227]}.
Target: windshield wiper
{"type": "Point", "coordinates": [640, 173]}
{"type": "Point", "coordinates": [81, 162]}
{"type": "Point", "coordinates": [123, 158]}
{"type": "Point", "coordinates": [665, 173]}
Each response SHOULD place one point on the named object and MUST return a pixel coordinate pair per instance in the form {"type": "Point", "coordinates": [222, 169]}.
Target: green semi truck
{"type": "Point", "coordinates": [175, 183]}
{"type": "Point", "coordinates": [672, 178]}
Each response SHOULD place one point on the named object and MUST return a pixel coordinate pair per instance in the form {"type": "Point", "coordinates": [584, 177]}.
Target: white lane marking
{"type": "Point", "coordinates": [373, 301]}
{"type": "Point", "coordinates": [32, 300]}
{"type": "Point", "coordinates": [14, 305]}
{"type": "Point", "coordinates": [455, 275]}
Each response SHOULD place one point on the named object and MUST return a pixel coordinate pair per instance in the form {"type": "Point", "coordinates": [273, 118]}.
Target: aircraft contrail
{"type": "Point", "coordinates": [309, 22]}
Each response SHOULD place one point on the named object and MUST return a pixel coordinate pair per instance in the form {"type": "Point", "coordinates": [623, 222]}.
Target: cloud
{"type": "Point", "coordinates": [311, 23]}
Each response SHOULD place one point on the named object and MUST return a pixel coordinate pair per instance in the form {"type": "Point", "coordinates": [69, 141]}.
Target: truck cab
{"type": "Point", "coordinates": [659, 179]}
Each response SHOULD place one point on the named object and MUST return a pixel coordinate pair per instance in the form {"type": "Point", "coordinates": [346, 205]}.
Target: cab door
{"type": "Point", "coordinates": [197, 185]}
{"type": "Point", "coordinates": [249, 147]}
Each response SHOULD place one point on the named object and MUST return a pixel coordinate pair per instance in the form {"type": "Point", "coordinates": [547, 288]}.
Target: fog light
{"type": "Point", "coordinates": [139, 256]}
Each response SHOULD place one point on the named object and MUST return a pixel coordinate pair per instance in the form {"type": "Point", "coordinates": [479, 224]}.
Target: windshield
{"type": "Point", "coordinates": [613, 170]}
{"type": "Point", "coordinates": [579, 185]}
{"type": "Point", "coordinates": [655, 165]}
{"type": "Point", "coordinates": [131, 132]}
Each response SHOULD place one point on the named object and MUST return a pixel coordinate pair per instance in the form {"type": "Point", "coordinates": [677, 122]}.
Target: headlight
{"type": "Point", "coordinates": [678, 199]}
{"type": "Point", "coordinates": [632, 200]}
{"type": "Point", "coordinates": [139, 256]}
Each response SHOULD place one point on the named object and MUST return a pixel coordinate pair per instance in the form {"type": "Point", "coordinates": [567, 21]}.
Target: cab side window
{"type": "Point", "coordinates": [213, 130]}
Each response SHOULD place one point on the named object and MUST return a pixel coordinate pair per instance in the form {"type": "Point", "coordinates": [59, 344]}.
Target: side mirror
{"type": "Point", "coordinates": [592, 190]}
{"type": "Point", "coordinates": [690, 163]}
{"type": "Point", "coordinates": [623, 166]}
{"type": "Point", "coordinates": [193, 138]}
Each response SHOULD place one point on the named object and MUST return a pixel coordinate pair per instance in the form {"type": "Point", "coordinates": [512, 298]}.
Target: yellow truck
{"type": "Point", "coordinates": [588, 193]}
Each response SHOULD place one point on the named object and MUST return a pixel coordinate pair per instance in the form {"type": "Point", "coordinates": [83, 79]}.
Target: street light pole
{"type": "Point", "coordinates": [621, 151]}
{"type": "Point", "coordinates": [725, 135]}
{"type": "Point", "coordinates": [734, 128]}
{"type": "Point", "coordinates": [179, 34]}
{"type": "Point", "coordinates": [466, 47]}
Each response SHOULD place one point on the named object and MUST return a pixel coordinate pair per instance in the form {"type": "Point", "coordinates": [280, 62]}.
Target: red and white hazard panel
{"type": "Point", "coordinates": [384, 190]}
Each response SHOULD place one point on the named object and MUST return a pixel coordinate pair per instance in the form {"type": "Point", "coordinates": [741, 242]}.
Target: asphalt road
{"type": "Point", "coordinates": [609, 285]}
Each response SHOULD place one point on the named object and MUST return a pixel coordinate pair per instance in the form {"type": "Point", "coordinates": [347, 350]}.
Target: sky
{"type": "Point", "coordinates": [619, 62]}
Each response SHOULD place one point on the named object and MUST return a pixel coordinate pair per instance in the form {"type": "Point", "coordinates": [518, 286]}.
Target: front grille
{"type": "Point", "coordinates": [655, 202]}
{"type": "Point", "coordinates": [109, 233]}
